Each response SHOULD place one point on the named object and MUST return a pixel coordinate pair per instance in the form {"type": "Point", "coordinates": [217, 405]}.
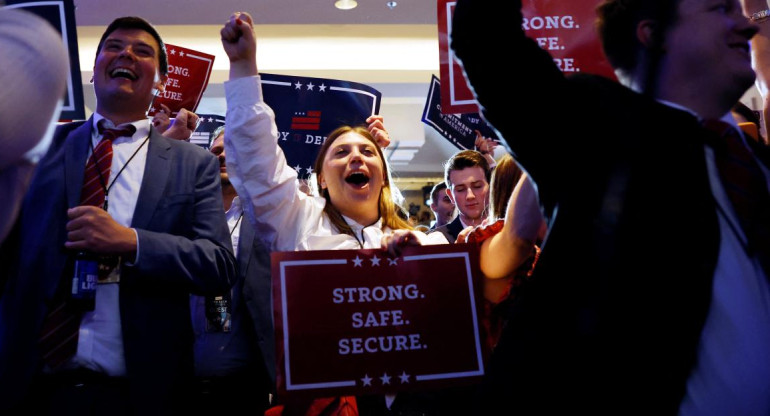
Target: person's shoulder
{"type": "Point", "coordinates": [439, 229]}
{"type": "Point", "coordinates": [65, 128]}
{"type": "Point", "coordinates": [181, 146]}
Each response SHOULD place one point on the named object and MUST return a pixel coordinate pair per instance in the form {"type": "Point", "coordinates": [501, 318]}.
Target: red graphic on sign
{"type": "Point", "coordinates": [360, 322]}
{"type": "Point", "coordinates": [188, 76]}
{"type": "Point", "coordinates": [309, 120]}
{"type": "Point", "coordinates": [564, 28]}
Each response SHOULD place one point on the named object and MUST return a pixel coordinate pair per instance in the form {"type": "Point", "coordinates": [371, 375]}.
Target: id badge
{"type": "Point", "coordinates": [218, 313]}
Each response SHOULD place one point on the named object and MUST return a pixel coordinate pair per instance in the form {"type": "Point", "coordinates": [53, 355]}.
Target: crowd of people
{"type": "Point", "coordinates": [627, 273]}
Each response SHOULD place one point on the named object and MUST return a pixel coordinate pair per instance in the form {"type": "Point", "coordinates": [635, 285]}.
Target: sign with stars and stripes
{"type": "Point", "coordinates": [188, 75]}
{"type": "Point", "coordinates": [207, 125]}
{"type": "Point", "coordinates": [308, 109]}
{"type": "Point", "coordinates": [361, 322]}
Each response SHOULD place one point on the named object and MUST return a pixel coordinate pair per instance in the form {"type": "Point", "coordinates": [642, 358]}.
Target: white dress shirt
{"type": "Point", "coordinates": [100, 342]}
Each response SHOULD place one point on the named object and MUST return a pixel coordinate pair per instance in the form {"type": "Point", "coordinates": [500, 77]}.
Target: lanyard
{"type": "Point", "coordinates": [238, 221]}
{"type": "Point", "coordinates": [101, 178]}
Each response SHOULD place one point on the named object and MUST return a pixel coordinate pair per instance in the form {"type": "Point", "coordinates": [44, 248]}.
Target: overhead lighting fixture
{"type": "Point", "coordinates": [345, 4]}
{"type": "Point", "coordinates": [391, 5]}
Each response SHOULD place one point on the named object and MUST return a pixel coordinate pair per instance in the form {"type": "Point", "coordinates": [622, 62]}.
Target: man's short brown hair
{"type": "Point", "coordinates": [134, 22]}
{"type": "Point", "coordinates": [465, 159]}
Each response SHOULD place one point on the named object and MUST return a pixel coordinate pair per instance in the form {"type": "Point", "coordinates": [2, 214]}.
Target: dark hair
{"type": "Point", "coordinates": [216, 133]}
{"type": "Point", "coordinates": [436, 188]}
{"type": "Point", "coordinates": [465, 159]}
{"type": "Point", "coordinates": [392, 214]}
{"type": "Point", "coordinates": [133, 22]}
{"type": "Point", "coordinates": [616, 24]}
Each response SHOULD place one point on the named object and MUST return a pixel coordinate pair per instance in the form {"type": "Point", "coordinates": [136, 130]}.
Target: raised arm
{"type": "Point", "coordinates": [281, 214]}
{"type": "Point", "coordinates": [502, 254]}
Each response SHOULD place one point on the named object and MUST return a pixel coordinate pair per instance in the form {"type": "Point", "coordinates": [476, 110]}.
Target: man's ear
{"type": "Point", "coordinates": [647, 32]}
{"type": "Point", "coordinates": [451, 197]}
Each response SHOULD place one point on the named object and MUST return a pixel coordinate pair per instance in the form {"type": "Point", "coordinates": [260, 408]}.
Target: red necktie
{"type": "Point", "coordinates": [746, 187]}
{"type": "Point", "coordinates": [59, 336]}
{"type": "Point", "coordinates": [97, 174]}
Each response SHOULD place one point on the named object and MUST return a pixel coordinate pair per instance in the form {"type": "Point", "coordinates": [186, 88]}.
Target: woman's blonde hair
{"type": "Point", "coordinates": [388, 209]}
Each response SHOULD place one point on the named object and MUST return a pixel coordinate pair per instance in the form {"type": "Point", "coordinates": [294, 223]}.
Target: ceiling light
{"type": "Point", "coordinates": [345, 4]}
{"type": "Point", "coordinates": [391, 5]}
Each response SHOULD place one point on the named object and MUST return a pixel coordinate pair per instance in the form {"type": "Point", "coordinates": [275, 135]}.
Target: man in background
{"type": "Point", "coordinates": [234, 338]}
{"type": "Point", "coordinates": [466, 174]}
{"type": "Point", "coordinates": [441, 204]}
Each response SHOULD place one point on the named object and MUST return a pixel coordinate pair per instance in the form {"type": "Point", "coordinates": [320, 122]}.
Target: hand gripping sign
{"type": "Point", "coordinates": [361, 322]}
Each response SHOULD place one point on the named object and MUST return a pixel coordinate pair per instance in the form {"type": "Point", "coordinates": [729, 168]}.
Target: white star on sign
{"type": "Point", "coordinates": [393, 262]}
{"type": "Point", "coordinates": [404, 377]}
{"type": "Point", "coordinates": [181, 53]}
{"type": "Point", "coordinates": [322, 88]}
{"type": "Point", "coordinates": [309, 170]}
{"type": "Point", "coordinates": [310, 86]}
{"type": "Point", "coordinates": [367, 380]}
{"type": "Point", "coordinates": [375, 260]}
{"type": "Point", "coordinates": [211, 119]}
{"type": "Point", "coordinates": [298, 85]}
{"type": "Point", "coordinates": [385, 378]}
{"type": "Point", "coordinates": [357, 261]}
{"type": "Point", "coordinates": [173, 51]}
{"type": "Point", "coordinates": [297, 168]}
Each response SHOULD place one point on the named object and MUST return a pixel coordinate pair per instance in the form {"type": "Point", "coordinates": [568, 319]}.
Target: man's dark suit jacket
{"type": "Point", "coordinates": [450, 230]}
{"type": "Point", "coordinates": [255, 297]}
{"type": "Point", "coordinates": [611, 319]}
{"type": "Point", "coordinates": [254, 264]}
{"type": "Point", "coordinates": [184, 247]}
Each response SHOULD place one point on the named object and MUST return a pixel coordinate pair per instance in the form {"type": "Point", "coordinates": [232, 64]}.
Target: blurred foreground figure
{"type": "Point", "coordinates": [651, 293]}
{"type": "Point", "coordinates": [33, 76]}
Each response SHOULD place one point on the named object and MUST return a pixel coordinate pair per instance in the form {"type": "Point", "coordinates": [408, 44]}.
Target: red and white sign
{"type": "Point", "coordinates": [564, 28]}
{"type": "Point", "coordinates": [361, 322]}
{"type": "Point", "coordinates": [188, 76]}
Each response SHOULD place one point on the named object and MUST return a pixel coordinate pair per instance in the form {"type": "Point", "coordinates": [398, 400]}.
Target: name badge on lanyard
{"type": "Point", "coordinates": [218, 313]}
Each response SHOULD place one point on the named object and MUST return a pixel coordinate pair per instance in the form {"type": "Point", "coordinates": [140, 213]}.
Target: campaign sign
{"type": "Point", "coordinates": [308, 109]}
{"type": "Point", "coordinates": [356, 322]}
{"type": "Point", "coordinates": [459, 129]}
{"type": "Point", "coordinates": [188, 76]}
{"type": "Point", "coordinates": [61, 15]}
{"type": "Point", "coordinates": [207, 124]}
{"type": "Point", "coordinates": [456, 96]}
{"type": "Point", "coordinates": [564, 28]}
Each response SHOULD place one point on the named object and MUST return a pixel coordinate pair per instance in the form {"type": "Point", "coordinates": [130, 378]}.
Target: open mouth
{"type": "Point", "coordinates": [357, 179]}
{"type": "Point", "coordinates": [123, 73]}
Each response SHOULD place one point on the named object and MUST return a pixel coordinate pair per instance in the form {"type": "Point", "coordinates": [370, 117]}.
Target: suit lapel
{"type": "Point", "coordinates": [455, 226]}
{"type": "Point", "coordinates": [156, 173]}
{"type": "Point", "coordinates": [75, 154]}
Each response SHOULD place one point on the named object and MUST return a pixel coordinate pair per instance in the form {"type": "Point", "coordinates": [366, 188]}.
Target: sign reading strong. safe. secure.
{"type": "Point", "coordinates": [361, 322]}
